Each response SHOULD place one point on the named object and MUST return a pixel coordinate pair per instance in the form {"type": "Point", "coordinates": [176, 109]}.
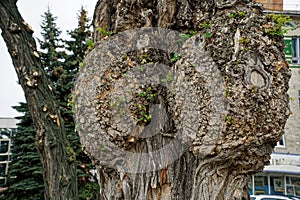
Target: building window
{"type": "Point", "coordinates": [299, 97]}
{"type": "Point", "coordinates": [260, 185]}
{"type": "Point", "coordinates": [293, 185]}
{"type": "Point", "coordinates": [5, 153]}
{"type": "Point", "coordinates": [4, 144]}
{"type": "Point", "coordinates": [296, 50]}
{"type": "Point", "coordinates": [276, 184]}
{"type": "Point", "coordinates": [281, 142]}
{"type": "Point", "coordinates": [2, 182]}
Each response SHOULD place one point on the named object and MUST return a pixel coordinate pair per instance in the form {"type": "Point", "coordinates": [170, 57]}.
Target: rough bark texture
{"type": "Point", "coordinates": [56, 154]}
{"type": "Point", "coordinates": [216, 110]}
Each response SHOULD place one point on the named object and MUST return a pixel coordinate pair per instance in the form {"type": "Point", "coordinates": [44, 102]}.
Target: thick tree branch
{"type": "Point", "coordinates": [51, 141]}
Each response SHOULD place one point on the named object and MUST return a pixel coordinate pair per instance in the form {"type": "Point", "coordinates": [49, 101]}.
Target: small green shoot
{"type": "Point", "coordinates": [101, 147]}
{"type": "Point", "coordinates": [244, 40]}
{"type": "Point", "coordinates": [279, 20]}
{"type": "Point", "coordinates": [175, 57]}
{"type": "Point", "coordinates": [167, 78]}
{"type": "Point", "coordinates": [70, 100]}
{"type": "Point", "coordinates": [103, 32]}
{"type": "Point", "coordinates": [184, 36]}
{"type": "Point", "coordinates": [229, 120]}
{"type": "Point", "coordinates": [89, 43]}
{"type": "Point", "coordinates": [204, 25]}
{"type": "Point", "coordinates": [123, 57]}
{"type": "Point", "coordinates": [148, 94]}
{"type": "Point", "coordinates": [207, 35]}
{"type": "Point", "coordinates": [80, 65]}
{"type": "Point", "coordinates": [235, 15]}
{"type": "Point", "coordinates": [192, 64]}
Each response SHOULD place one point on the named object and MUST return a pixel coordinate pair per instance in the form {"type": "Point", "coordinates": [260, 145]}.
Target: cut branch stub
{"type": "Point", "coordinates": [255, 75]}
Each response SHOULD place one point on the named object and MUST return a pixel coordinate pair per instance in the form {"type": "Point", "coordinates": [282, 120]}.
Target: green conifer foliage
{"type": "Point", "coordinates": [77, 48]}
{"type": "Point", "coordinates": [25, 178]}
{"type": "Point", "coordinates": [62, 64]}
{"type": "Point", "coordinates": [53, 54]}
{"type": "Point", "coordinates": [61, 68]}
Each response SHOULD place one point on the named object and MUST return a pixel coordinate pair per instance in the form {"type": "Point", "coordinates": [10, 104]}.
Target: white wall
{"type": "Point", "coordinates": [291, 5]}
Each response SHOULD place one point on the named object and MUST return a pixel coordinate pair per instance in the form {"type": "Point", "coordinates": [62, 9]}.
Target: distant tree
{"type": "Point", "coordinates": [76, 48]}
{"type": "Point", "coordinates": [52, 52]}
{"type": "Point", "coordinates": [61, 60]}
{"type": "Point", "coordinates": [61, 68]}
{"type": "Point", "coordinates": [64, 76]}
{"type": "Point", "coordinates": [25, 177]}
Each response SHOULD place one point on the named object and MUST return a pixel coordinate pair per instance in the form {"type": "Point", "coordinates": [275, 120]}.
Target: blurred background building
{"type": "Point", "coordinates": [282, 176]}
{"type": "Point", "coordinates": [7, 130]}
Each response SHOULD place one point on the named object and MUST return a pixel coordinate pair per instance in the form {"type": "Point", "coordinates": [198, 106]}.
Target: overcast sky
{"type": "Point", "coordinates": [66, 11]}
{"type": "Point", "coordinates": [31, 10]}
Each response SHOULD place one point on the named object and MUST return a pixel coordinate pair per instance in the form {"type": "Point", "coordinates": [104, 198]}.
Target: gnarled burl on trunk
{"type": "Point", "coordinates": [181, 99]}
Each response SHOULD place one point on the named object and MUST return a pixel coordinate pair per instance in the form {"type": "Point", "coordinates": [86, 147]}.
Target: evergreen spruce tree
{"type": "Point", "coordinates": [77, 47]}
{"type": "Point", "coordinates": [61, 68]}
{"type": "Point", "coordinates": [53, 54]}
{"type": "Point", "coordinates": [25, 179]}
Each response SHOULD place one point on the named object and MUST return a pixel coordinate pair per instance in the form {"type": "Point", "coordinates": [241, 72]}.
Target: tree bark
{"type": "Point", "coordinates": [215, 120]}
{"type": "Point", "coordinates": [57, 157]}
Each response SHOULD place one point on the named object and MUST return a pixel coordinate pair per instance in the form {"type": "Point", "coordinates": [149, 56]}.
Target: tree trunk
{"type": "Point", "coordinates": [186, 110]}
{"type": "Point", "coordinates": [56, 154]}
